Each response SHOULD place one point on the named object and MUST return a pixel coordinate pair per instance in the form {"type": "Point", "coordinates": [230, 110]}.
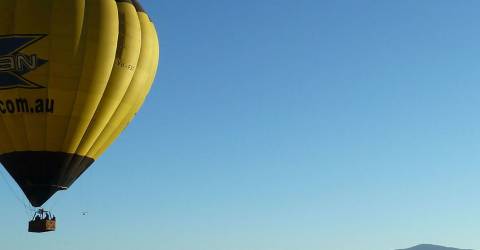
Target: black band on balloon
{"type": "Point", "coordinates": [40, 174]}
{"type": "Point", "coordinates": [124, 1]}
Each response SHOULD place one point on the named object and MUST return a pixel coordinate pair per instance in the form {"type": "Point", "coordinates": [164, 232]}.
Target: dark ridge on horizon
{"type": "Point", "coordinates": [432, 247]}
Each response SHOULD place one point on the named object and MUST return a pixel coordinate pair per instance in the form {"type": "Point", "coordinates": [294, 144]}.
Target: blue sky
{"type": "Point", "coordinates": [285, 125]}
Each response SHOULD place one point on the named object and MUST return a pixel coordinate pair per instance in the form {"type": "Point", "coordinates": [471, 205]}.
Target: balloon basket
{"type": "Point", "coordinates": [42, 222]}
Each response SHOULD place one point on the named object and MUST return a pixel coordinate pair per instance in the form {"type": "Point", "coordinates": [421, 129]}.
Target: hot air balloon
{"type": "Point", "coordinates": [72, 76]}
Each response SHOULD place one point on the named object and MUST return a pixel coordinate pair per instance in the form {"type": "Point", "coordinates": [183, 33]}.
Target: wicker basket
{"type": "Point", "coordinates": [41, 226]}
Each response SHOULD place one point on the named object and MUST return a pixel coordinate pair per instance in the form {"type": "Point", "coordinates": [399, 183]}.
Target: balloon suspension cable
{"type": "Point", "coordinates": [43, 214]}
{"type": "Point", "coordinates": [28, 209]}
{"type": "Point", "coordinates": [51, 205]}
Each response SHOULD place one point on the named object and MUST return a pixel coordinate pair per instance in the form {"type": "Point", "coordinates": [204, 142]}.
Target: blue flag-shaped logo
{"type": "Point", "coordinates": [14, 64]}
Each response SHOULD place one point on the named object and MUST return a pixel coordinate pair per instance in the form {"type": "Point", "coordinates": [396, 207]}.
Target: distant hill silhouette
{"type": "Point", "coordinates": [432, 247]}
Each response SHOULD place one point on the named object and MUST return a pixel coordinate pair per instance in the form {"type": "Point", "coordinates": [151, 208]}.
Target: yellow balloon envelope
{"type": "Point", "coordinates": [73, 73]}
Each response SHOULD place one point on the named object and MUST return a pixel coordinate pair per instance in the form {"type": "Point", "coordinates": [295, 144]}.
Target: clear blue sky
{"type": "Point", "coordinates": [288, 125]}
